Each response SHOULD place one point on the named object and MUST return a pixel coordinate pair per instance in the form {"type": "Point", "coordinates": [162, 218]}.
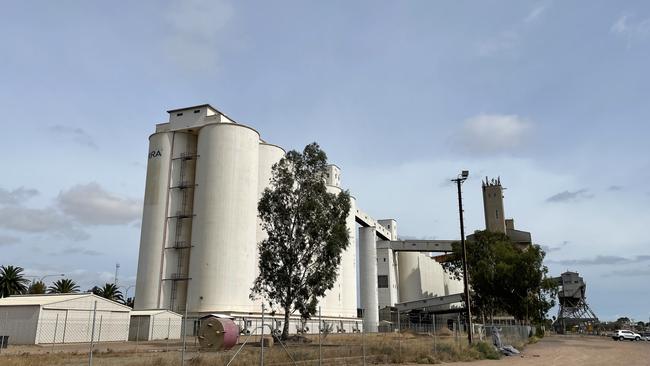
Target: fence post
{"type": "Point", "coordinates": [137, 335]}
{"type": "Point", "coordinates": [262, 339]}
{"type": "Point", "coordinates": [458, 329]}
{"type": "Point", "coordinates": [399, 331]}
{"type": "Point", "coordinates": [65, 326]}
{"type": "Point", "coordinates": [56, 327]}
{"type": "Point", "coordinates": [435, 350]}
{"type": "Point", "coordinates": [92, 336]}
{"type": "Point", "coordinates": [99, 333]}
{"type": "Point", "coordinates": [169, 324]}
{"type": "Point", "coordinates": [363, 338]}
{"type": "Point", "coordinates": [184, 335]}
{"type": "Point", "coordinates": [320, 345]}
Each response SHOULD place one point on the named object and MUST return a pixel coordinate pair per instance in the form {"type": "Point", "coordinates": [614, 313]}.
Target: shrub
{"type": "Point", "coordinates": [487, 351]}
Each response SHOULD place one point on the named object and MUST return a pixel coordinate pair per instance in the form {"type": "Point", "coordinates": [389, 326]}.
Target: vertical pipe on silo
{"type": "Point", "coordinates": [224, 226]}
{"type": "Point", "coordinates": [368, 278]}
{"type": "Point", "coordinates": [154, 216]}
{"type": "Point", "coordinates": [348, 272]}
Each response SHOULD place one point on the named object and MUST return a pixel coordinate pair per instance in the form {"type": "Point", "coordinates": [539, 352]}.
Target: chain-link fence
{"type": "Point", "coordinates": [164, 338]}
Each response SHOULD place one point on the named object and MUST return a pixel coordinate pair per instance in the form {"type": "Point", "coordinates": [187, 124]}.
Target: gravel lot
{"type": "Point", "coordinates": [577, 351]}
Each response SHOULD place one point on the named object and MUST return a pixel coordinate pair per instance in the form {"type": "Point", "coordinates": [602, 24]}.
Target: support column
{"type": "Point", "coordinates": [368, 278]}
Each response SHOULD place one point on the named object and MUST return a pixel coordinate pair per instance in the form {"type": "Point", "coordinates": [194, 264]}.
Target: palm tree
{"type": "Point", "coordinates": [63, 286]}
{"type": "Point", "coordinates": [37, 288]}
{"type": "Point", "coordinates": [12, 281]}
{"type": "Point", "coordinates": [109, 291]}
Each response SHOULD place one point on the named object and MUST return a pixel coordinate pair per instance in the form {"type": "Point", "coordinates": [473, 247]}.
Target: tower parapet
{"type": "Point", "coordinates": [493, 205]}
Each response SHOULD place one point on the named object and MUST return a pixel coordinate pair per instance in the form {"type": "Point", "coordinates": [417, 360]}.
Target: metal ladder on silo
{"type": "Point", "coordinates": [182, 248]}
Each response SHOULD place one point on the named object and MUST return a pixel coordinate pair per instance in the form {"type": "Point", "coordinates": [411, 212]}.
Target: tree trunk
{"type": "Point", "coordinates": [285, 326]}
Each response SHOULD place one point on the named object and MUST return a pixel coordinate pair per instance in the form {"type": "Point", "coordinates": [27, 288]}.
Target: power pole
{"type": "Point", "coordinates": [117, 270]}
{"type": "Point", "coordinates": [468, 312]}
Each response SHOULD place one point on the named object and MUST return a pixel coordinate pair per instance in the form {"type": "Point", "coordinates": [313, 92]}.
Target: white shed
{"type": "Point", "coordinates": [157, 324]}
{"type": "Point", "coordinates": [62, 318]}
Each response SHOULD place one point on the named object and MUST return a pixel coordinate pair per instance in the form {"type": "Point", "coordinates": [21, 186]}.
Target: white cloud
{"type": "Point", "coordinates": [620, 26]}
{"type": "Point", "coordinates": [506, 40]}
{"type": "Point", "coordinates": [567, 196]}
{"type": "Point", "coordinates": [632, 31]}
{"type": "Point", "coordinates": [535, 13]}
{"type": "Point", "coordinates": [8, 240]}
{"type": "Point", "coordinates": [16, 196]}
{"type": "Point", "coordinates": [492, 133]}
{"type": "Point", "coordinates": [91, 204]}
{"type": "Point", "coordinates": [77, 135]}
{"type": "Point", "coordinates": [195, 32]}
{"type": "Point", "coordinates": [34, 221]}
{"type": "Point", "coordinates": [511, 37]}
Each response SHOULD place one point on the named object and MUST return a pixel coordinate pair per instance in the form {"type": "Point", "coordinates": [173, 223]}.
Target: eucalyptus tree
{"type": "Point", "coordinates": [37, 288]}
{"type": "Point", "coordinates": [504, 277]}
{"type": "Point", "coordinates": [307, 233]}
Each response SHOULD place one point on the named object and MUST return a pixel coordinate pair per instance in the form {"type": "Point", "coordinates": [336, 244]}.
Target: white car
{"type": "Point", "coordinates": [621, 335]}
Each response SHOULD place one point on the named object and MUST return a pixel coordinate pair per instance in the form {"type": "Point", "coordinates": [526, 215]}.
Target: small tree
{"type": "Point", "coordinates": [12, 281]}
{"type": "Point", "coordinates": [307, 233]}
{"type": "Point", "coordinates": [63, 286]}
{"type": "Point", "coordinates": [37, 288]}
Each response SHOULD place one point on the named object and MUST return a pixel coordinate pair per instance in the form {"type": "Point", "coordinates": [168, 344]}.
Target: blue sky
{"type": "Point", "coordinates": [551, 96]}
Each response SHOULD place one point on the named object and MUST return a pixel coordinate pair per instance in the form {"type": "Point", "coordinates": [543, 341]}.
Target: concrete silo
{"type": "Point", "coordinates": [154, 217]}
{"type": "Point", "coordinates": [269, 155]}
{"type": "Point", "coordinates": [341, 300]}
{"type": "Point", "coordinates": [224, 226]}
{"type": "Point", "coordinates": [409, 276]}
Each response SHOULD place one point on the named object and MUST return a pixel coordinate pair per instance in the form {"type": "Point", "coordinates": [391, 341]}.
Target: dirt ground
{"type": "Point", "coordinates": [576, 351]}
{"type": "Point", "coordinates": [550, 351]}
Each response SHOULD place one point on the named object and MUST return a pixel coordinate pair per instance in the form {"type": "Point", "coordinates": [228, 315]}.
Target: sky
{"type": "Point", "coordinates": [551, 96]}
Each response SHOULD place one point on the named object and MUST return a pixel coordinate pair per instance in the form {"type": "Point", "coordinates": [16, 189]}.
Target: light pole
{"type": "Point", "coordinates": [468, 312]}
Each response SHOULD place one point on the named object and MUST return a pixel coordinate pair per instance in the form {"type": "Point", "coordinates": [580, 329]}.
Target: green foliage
{"type": "Point", "coordinates": [505, 278]}
{"type": "Point", "coordinates": [307, 233]}
{"type": "Point", "coordinates": [12, 281]}
{"type": "Point", "coordinates": [37, 288]}
{"type": "Point", "coordinates": [486, 350]}
{"type": "Point", "coordinates": [108, 291]}
{"type": "Point", "coordinates": [63, 286]}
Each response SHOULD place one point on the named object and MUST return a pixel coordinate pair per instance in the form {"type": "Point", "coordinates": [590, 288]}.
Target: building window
{"type": "Point", "coordinates": [179, 114]}
{"type": "Point", "coordinates": [382, 281]}
{"type": "Point", "coordinates": [197, 111]}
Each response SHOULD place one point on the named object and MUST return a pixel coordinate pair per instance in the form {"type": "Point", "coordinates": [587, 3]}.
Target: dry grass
{"type": "Point", "coordinates": [337, 350]}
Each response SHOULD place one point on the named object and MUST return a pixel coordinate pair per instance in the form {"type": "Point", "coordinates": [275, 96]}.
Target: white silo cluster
{"type": "Point", "coordinates": [200, 230]}
{"type": "Point", "coordinates": [200, 226]}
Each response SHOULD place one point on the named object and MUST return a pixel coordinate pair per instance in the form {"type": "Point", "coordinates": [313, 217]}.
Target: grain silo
{"type": "Point", "coordinates": [269, 155]}
{"type": "Point", "coordinates": [224, 228]}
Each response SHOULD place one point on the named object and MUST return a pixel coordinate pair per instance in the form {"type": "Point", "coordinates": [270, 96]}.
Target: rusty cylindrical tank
{"type": "Point", "coordinates": [218, 333]}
